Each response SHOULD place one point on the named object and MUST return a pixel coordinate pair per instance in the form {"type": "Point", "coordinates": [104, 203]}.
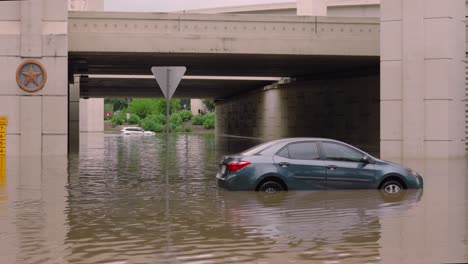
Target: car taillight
{"type": "Point", "coordinates": [237, 165]}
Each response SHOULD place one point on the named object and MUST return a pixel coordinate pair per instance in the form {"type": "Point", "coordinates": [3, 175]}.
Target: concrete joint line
{"type": "Point", "coordinates": [438, 140]}
{"type": "Point", "coordinates": [391, 139]}
{"type": "Point", "coordinates": [442, 58]}
{"type": "Point", "coordinates": [391, 20]}
{"type": "Point", "coordinates": [441, 17]}
{"type": "Point", "coordinates": [437, 99]}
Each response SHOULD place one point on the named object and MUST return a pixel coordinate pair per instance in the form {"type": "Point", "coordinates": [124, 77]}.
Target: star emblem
{"type": "Point", "coordinates": [31, 76]}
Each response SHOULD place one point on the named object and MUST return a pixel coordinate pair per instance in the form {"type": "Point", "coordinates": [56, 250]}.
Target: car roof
{"type": "Point", "coordinates": [295, 139]}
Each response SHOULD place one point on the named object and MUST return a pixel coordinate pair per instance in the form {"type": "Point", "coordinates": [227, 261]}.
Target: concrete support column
{"type": "Point", "coordinates": [34, 30]}
{"type": "Point", "coordinates": [311, 8]}
{"type": "Point", "coordinates": [91, 115]}
{"type": "Point", "coordinates": [74, 116]}
{"type": "Point", "coordinates": [422, 78]}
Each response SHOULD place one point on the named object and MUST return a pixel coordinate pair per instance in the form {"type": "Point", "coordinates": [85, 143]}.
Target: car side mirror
{"type": "Point", "coordinates": [365, 159]}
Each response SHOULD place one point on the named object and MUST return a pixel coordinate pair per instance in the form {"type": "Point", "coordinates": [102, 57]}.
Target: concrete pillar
{"type": "Point", "coordinates": [422, 78]}
{"type": "Point", "coordinates": [311, 8]}
{"type": "Point", "coordinates": [91, 115]}
{"type": "Point", "coordinates": [196, 106]}
{"type": "Point", "coordinates": [74, 116]}
{"type": "Point", "coordinates": [34, 30]}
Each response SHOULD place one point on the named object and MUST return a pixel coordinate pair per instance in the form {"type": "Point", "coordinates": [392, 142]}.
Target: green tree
{"type": "Point", "coordinates": [117, 103]}
{"type": "Point", "coordinates": [146, 107]}
{"type": "Point", "coordinates": [209, 104]}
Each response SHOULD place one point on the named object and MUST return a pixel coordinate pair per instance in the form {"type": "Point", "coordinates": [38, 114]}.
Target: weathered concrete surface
{"type": "Point", "coordinates": [346, 109]}
{"type": "Point", "coordinates": [37, 121]}
{"type": "Point", "coordinates": [423, 79]}
{"type": "Point", "coordinates": [191, 33]}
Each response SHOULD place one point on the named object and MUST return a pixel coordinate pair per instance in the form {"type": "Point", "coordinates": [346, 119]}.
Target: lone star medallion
{"type": "Point", "coordinates": [31, 76]}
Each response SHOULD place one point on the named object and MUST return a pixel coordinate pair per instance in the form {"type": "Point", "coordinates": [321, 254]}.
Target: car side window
{"type": "Point", "coordinates": [284, 152]}
{"type": "Point", "coordinates": [341, 153]}
{"type": "Point", "coordinates": [300, 151]}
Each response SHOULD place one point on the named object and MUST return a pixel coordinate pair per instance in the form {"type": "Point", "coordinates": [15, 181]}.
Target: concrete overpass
{"type": "Point", "coordinates": [215, 45]}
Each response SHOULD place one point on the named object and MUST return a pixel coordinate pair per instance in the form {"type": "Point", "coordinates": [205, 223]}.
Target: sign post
{"type": "Point", "coordinates": [168, 79]}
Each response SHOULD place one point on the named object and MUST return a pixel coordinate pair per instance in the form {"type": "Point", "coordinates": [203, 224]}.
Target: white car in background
{"type": "Point", "coordinates": [136, 131]}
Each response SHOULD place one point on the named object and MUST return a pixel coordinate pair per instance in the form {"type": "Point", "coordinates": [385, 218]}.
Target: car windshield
{"type": "Point", "coordinates": [258, 148]}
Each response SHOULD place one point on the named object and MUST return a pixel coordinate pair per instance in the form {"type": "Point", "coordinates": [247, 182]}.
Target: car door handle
{"type": "Point", "coordinates": [284, 164]}
{"type": "Point", "coordinates": [331, 167]}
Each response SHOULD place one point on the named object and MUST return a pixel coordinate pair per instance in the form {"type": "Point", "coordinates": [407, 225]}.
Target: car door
{"type": "Point", "coordinates": [301, 165]}
{"type": "Point", "coordinates": [345, 167]}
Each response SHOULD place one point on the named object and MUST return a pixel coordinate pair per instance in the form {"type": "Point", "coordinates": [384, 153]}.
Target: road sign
{"type": "Point", "coordinates": [168, 78]}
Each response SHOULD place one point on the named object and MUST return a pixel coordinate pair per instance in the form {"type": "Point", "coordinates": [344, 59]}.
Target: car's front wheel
{"type": "Point", "coordinates": [392, 187]}
{"type": "Point", "coordinates": [271, 187]}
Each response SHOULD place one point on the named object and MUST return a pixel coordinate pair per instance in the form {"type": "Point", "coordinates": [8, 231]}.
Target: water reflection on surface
{"type": "Point", "coordinates": [131, 200]}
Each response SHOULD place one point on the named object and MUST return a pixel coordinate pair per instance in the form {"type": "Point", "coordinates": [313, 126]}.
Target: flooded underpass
{"type": "Point", "coordinates": [126, 199]}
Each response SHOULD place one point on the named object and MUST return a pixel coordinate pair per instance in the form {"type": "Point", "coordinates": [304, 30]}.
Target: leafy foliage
{"type": "Point", "coordinates": [117, 103]}
{"type": "Point", "coordinates": [134, 119]}
{"type": "Point", "coordinates": [120, 118]}
{"type": "Point", "coordinates": [186, 115]}
{"type": "Point", "coordinates": [198, 120]}
{"type": "Point", "coordinates": [145, 107]}
{"type": "Point", "coordinates": [209, 121]}
{"type": "Point", "coordinates": [209, 104]}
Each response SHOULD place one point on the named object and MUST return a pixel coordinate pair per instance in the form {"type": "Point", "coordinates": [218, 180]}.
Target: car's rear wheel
{"type": "Point", "coordinates": [271, 187]}
{"type": "Point", "coordinates": [392, 187]}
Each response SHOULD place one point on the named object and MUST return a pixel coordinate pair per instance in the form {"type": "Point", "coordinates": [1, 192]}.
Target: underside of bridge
{"type": "Point", "coordinates": [323, 96]}
{"type": "Point", "coordinates": [95, 66]}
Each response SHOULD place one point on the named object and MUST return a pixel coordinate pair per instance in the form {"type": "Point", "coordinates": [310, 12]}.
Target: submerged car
{"type": "Point", "coordinates": [136, 131]}
{"type": "Point", "coordinates": [312, 164]}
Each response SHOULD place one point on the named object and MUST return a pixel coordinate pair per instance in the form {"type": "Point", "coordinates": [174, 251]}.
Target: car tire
{"type": "Point", "coordinates": [271, 187]}
{"type": "Point", "coordinates": [392, 187]}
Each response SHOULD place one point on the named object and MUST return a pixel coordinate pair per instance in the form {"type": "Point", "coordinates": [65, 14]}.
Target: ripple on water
{"type": "Point", "coordinates": [134, 200]}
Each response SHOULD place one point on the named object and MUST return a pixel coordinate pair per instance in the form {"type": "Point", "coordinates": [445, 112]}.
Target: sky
{"type": "Point", "coordinates": [177, 5]}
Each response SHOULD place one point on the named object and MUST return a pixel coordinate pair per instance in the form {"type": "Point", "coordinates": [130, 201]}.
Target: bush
{"type": "Point", "coordinates": [187, 129]}
{"type": "Point", "coordinates": [186, 115]}
{"type": "Point", "coordinates": [134, 119]}
{"type": "Point", "coordinates": [198, 120]}
{"type": "Point", "coordinates": [209, 121]}
{"type": "Point", "coordinates": [153, 122]}
{"type": "Point", "coordinates": [159, 128]}
{"type": "Point", "coordinates": [119, 119]}
{"type": "Point", "coordinates": [175, 119]}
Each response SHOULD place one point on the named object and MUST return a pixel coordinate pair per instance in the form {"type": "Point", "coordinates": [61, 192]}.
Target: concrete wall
{"type": "Point", "coordinates": [37, 121]}
{"type": "Point", "coordinates": [344, 109]}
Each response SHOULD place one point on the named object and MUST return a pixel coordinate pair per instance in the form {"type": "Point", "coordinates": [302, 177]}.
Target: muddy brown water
{"type": "Point", "coordinates": [131, 200]}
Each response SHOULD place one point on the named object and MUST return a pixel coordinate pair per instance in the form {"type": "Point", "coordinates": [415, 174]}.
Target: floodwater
{"type": "Point", "coordinates": [126, 199]}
